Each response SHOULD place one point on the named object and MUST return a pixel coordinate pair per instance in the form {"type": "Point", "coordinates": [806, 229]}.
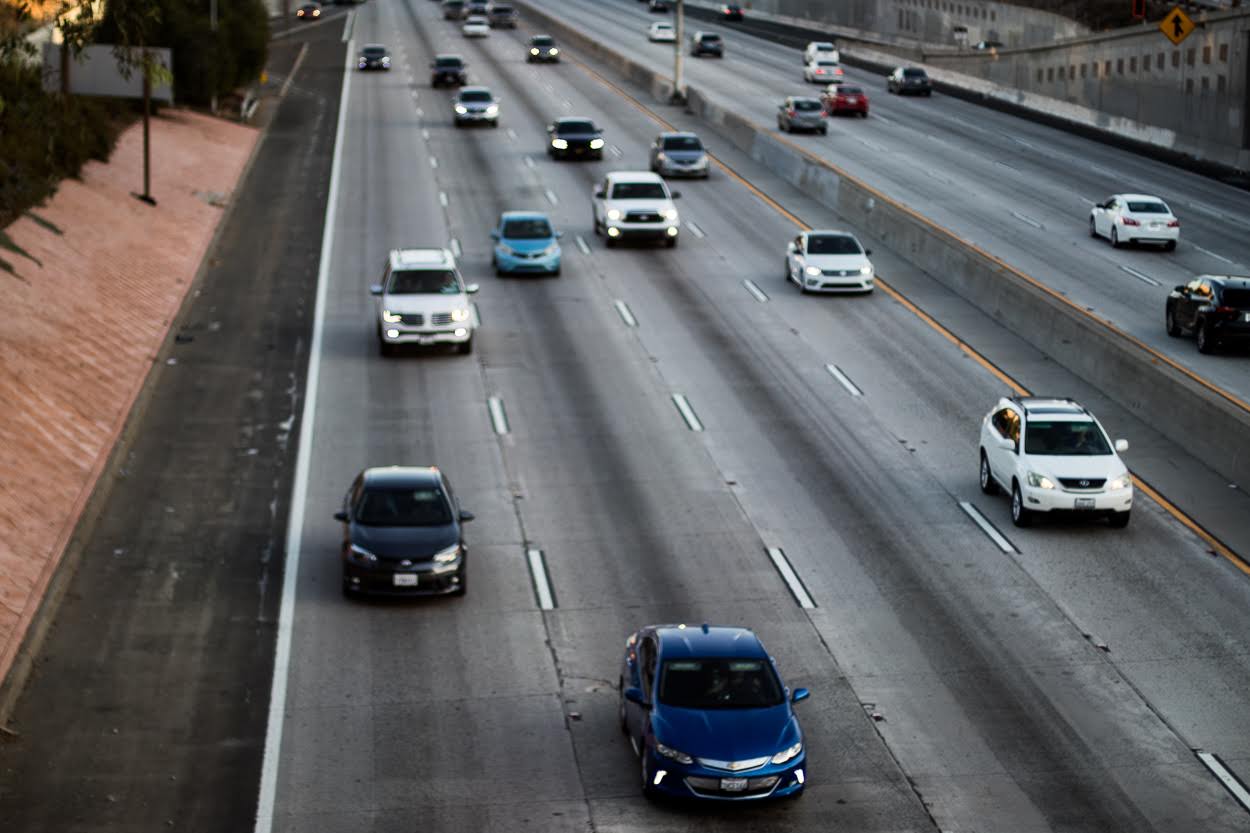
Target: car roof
{"type": "Point", "coordinates": [678, 134]}
{"type": "Point", "coordinates": [831, 232]}
{"type": "Point", "coordinates": [443, 56]}
{"type": "Point", "coordinates": [634, 176]}
{"type": "Point", "coordinates": [524, 215]}
{"type": "Point", "coordinates": [374, 46]}
{"type": "Point", "coordinates": [804, 98]}
{"type": "Point", "coordinates": [707, 641]}
{"type": "Point", "coordinates": [1146, 197]}
{"type": "Point", "coordinates": [404, 258]}
{"type": "Point", "coordinates": [1052, 407]}
{"type": "Point", "coordinates": [565, 119]}
{"type": "Point", "coordinates": [401, 476]}
{"type": "Point", "coordinates": [536, 37]}
{"type": "Point", "coordinates": [1231, 281]}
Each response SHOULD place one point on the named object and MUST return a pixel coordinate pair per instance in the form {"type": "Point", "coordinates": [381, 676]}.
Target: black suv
{"type": "Point", "coordinates": [402, 534]}
{"type": "Point", "coordinates": [574, 137]}
{"type": "Point", "coordinates": [904, 80]}
{"type": "Point", "coordinates": [502, 17]}
{"type": "Point", "coordinates": [542, 48]}
{"type": "Point", "coordinates": [707, 43]}
{"type": "Point", "coordinates": [374, 56]}
{"type": "Point", "coordinates": [448, 69]}
{"type": "Point", "coordinates": [1214, 308]}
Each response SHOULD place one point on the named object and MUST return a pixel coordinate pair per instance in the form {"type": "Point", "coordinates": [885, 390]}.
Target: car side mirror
{"type": "Point", "coordinates": [598, 190]}
{"type": "Point", "coordinates": [1006, 443]}
{"type": "Point", "coordinates": [868, 251]}
{"type": "Point", "coordinates": [466, 516]}
{"type": "Point", "coordinates": [1121, 445]}
{"type": "Point", "coordinates": [494, 235]}
{"type": "Point", "coordinates": [559, 234]}
{"type": "Point", "coordinates": [472, 289]}
{"type": "Point", "coordinates": [340, 516]}
{"type": "Point", "coordinates": [790, 247]}
{"type": "Point", "coordinates": [551, 128]}
{"type": "Point", "coordinates": [375, 289]}
{"type": "Point", "coordinates": [799, 695]}
{"type": "Point", "coordinates": [676, 195]}
{"type": "Point", "coordinates": [634, 695]}
{"type": "Point", "coordinates": [1180, 288]}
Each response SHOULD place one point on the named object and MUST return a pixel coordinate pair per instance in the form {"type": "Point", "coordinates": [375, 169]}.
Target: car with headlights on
{"type": "Point", "coordinates": [707, 713]}
{"type": "Point", "coordinates": [422, 300]}
{"type": "Point", "coordinates": [374, 56]}
{"type": "Point", "coordinates": [526, 242]}
{"type": "Point", "coordinates": [308, 11]}
{"type": "Point", "coordinates": [845, 98]}
{"type": "Point", "coordinates": [909, 81]}
{"type": "Point", "coordinates": [448, 69]}
{"type": "Point", "coordinates": [635, 205]}
{"type": "Point", "coordinates": [800, 112]}
{"type": "Point", "coordinates": [660, 6]}
{"type": "Point", "coordinates": [1125, 219]}
{"type": "Point", "coordinates": [829, 261]}
{"type": "Point", "coordinates": [475, 105]}
{"type": "Point", "coordinates": [707, 43]}
{"type": "Point", "coordinates": [1052, 456]}
{"type": "Point", "coordinates": [1214, 308]}
{"type": "Point", "coordinates": [542, 49]}
{"type": "Point", "coordinates": [502, 16]}
{"type": "Point", "coordinates": [679, 154]}
{"type": "Point", "coordinates": [403, 534]}
{"type": "Point", "coordinates": [661, 32]}
{"type": "Point", "coordinates": [574, 137]}
{"type": "Point", "coordinates": [475, 26]}
{"type": "Point", "coordinates": [823, 71]}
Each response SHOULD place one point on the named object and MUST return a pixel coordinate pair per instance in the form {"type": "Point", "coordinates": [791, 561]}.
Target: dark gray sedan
{"type": "Point", "coordinates": [679, 154]}
{"type": "Point", "coordinates": [909, 81]}
{"type": "Point", "coordinates": [799, 112]}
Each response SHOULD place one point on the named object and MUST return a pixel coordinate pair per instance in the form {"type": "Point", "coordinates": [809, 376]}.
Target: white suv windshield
{"type": "Point", "coordinates": [423, 282]}
{"type": "Point", "coordinates": [1064, 438]}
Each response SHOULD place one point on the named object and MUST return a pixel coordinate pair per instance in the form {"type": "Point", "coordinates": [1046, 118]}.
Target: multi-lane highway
{"type": "Point", "coordinates": [1059, 678]}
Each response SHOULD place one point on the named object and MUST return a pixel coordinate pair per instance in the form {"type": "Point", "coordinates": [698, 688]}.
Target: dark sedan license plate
{"type": "Point", "coordinates": [405, 579]}
{"type": "Point", "coordinates": [1085, 503]}
{"type": "Point", "coordinates": [733, 785]}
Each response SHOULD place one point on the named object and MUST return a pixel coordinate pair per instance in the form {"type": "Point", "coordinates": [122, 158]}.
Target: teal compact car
{"type": "Point", "coordinates": [525, 241]}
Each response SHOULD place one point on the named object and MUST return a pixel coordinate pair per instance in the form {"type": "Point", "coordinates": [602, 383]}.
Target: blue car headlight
{"type": "Point", "coordinates": [554, 248]}
{"type": "Point", "coordinates": [673, 754]}
{"type": "Point", "coordinates": [788, 754]}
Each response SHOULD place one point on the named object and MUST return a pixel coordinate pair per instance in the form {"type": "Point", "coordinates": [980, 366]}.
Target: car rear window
{"type": "Point", "coordinates": [448, 63]}
{"type": "Point", "coordinates": [807, 104]}
{"type": "Point", "coordinates": [833, 244]}
{"type": "Point", "coordinates": [682, 143]}
{"type": "Point", "coordinates": [423, 282]}
{"type": "Point", "coordinates": [914, 73]}
{"type": "Point", "coordinates": [850, 91]}
{"type": "Point", "coordinates": [403, 507]}
{"type": "Point", "coordinates": [710, 38]}
{"type": "Point", "coordinates": [575, 127]}
{"type": "Point", "coordinates": [719, 684]}
{"type": "Point", "coordinates": [1065, 438]}
{"type": "Point", "coordinates": [475, 95]}
{"type": "Point", "coordinates": [826, 63]}
{"type": "Point", "coordinates": [638, 191]}
{"type": "Point", "coordinates": [1239, 298]}
{"type": "Point", "coordinates": [501, 10]}
{"type": "Point", "coordinates": [1147, 207]}
{"type": "Point", "coordinates": [530, 229]}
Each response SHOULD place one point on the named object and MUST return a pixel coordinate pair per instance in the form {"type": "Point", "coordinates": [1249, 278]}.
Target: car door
{"type": "Point", "coordinates": [1187, 306]}
{"type": "Point", "coordinates": [637, 717]}
{"type": "Point", "coordinates": [794, 257]}
{"type": "Point", "coordinates": [1006, 425]}
{"type": "Point", "coordinates": [1099, 215]}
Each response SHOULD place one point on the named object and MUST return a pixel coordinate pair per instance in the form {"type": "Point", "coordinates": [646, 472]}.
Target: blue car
{"type": "Point", "coordinates": [708, 715]}
{"type": "Point", "coordinates": [526, 242]}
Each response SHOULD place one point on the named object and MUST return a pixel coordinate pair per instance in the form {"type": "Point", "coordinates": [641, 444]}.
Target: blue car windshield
{"type": "Point", "coordinates": [527, 229]}
{"type": "Point", "coordinates": [719, 684]}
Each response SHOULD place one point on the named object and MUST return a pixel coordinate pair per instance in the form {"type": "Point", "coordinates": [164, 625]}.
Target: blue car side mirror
{"type": "Point", "coordinates": [559, 234]}
{"type": "Point", "coordinates": [494, 235]}
{"type": "Point", "coordinates": [634, 695]}
{"type": "Point", "coordinates": [800, 694]}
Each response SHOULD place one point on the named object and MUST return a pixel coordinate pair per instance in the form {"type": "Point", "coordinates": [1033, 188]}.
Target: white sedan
{"type": "Point", "coordinates": [475, 27]}
{"type": "Point", "coordinates": [829, 261]}
{"type": "Point", "coordinates": [1135, 218]}
{"type": "Point", "coordinates": [823, 71]}
{"type": "Point", "coordinates": [662, 33]}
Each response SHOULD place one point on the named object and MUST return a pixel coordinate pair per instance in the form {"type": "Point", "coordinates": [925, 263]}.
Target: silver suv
{"type": "Point", "coordinates": [423, 300]}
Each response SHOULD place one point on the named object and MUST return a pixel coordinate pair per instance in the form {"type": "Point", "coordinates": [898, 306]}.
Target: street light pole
{"type": "Point", "coordinates": [679, 83]}
{"type": "Point", "coordinates": [212, 25]}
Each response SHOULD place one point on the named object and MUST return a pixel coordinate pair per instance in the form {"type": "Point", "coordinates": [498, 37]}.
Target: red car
{"type": "Point", "coordinates": [844, 98]}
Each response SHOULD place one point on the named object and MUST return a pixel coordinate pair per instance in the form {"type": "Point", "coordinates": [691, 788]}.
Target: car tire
{"type": "Point", "coordinates": [1169, 246]}
{"type": "Point", "coordinates": [1119, 520]}
{"type": "Point", "coordinates": [988, 485]}
{"type": "Point", "coordinates": [1206, 344]}
{"type": "Point", "coordinates": [1093, 228]}
{"type": "Point", "coordinates": [348, 592]}
{"type": "Point", "coordinates": [649, 791]}
{"type": "Point", "coordinates": [824, 130]}
{"type": "Point", "coordinates": [385, 349]}
{"type": "Point", "coordinates": [555, 273]}
{"type": "Point", "coordinates": [671, 242]}
{"type": "Point", "coordinates": [786, 271]}
{"type": "Point", "coordinates": [1169, 319]}
{"type": "Point", "coordinates": [1021, 516]}
{"type": "Point", "coordinates": [495, 123]}
{"type": "Point", "coordinates": [1115, 238]}
{"type": "Point", "coordinates": [863, 115]}
{"type": "Point", "coordinates": [928, 93]}
{"type": "Point", "coordinates": [464, 348]}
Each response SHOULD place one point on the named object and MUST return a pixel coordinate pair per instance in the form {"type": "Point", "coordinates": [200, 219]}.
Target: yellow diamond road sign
{"type": "Point", "coordinates": [1177, 25]}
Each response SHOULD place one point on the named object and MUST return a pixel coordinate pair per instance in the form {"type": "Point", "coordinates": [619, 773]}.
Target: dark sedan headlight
{"type": "Point", "coordinates": [448, 555]}
{"type": "Point", "coordinates": [673, 754]}
{"type": "Point", "coordinates": [361, 555]}
{"type": "Point", "coordinates": [788, 754]}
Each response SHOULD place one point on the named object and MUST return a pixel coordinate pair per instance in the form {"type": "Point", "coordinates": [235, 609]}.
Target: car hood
{"type": "Point", "coordinates": [657, 206]}
{"type": "Point", "coordinates": [425, 304]}
{"type": "Point", "coordinates": [413, 542]}
{"type": "Point", "coordinates": [836, 261]}
{"type": "Point", "coordinates": [726, 734]}
{"type": "Point", "coordinates": [1090, 466]}
{"type": "Point", "coordinates": [528, 245]}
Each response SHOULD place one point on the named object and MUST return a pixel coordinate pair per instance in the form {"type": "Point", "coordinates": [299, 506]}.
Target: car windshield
{"type": "Point", "coordinates": [807, 104]}
{"type": "Point", "coordinates": [1064, 438]}
{"type": "Point", "coordinates": [682, 143]}
{"type": "Point", "coordinates": [850, 91]}
{"type": "Point", "coordinates": [423, 282]}
{"type": "Point", "coordinates": [710, 38]}
{"type": "Point", "coordinates": [447, 63]}
{"type": "Point", "coordinates": [638, 191]}
{"type": "Point", "coordinates": [574, 127]}
{"type": "Point", "coordinates": [403, 507]}
{"type": "Point", "coordinates": [1147, 207]}
{"type": "Point", "coordinates": [913, 73]}
{"type": "Point", "coordinates": [476, 95]}
{"type": "Point", "coordinates": [530, 229]}
{"type": "Point", "coordinates": [719, 684]}
{"type": "Point", "coordinates": [501, 10]}
{"type": "Point", "coordinates": [662, 26]}
{"type": "Point", "coordinates": [542, 40]}
{"type": "Point", "coordinates": [375, 51]}
{"type": "Point", "coordinates": [833, 244]}
{"type": "Point", "coordinates": [1239, 298]}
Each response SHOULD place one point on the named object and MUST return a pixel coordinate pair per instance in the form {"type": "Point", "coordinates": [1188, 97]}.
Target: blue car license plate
{"type": "Point", "coordinates": [733, 785]}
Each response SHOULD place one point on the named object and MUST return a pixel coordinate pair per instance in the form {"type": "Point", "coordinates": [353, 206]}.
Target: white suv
{"type": "Point", "coordinates": [422, 300]}
{"type": "Point", "coordinates": [635, 204]}
{"type": "Point", "coordinates": [1051, 455]}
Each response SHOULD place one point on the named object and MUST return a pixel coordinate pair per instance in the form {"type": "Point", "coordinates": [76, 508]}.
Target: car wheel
{"type": "Point", "coordinates": [988, 486]}
{"type": "Point", "coordinates": [1169, 246]}
{"type": "Point", "coordinates": [1020, 515]}
{"type": "Point", "coordinates": [928, 93]}
{"type": "Point", "coordinates": [465, 347]}
{"type": "Point", "coordinates": [1093, 228]}
{"type": "Point", "coordinates": [648, 789]}
{"type": "Point", "coordinates": [1115, 238]}
{"type": "Point", "coordinates": [824, 130]}
{"type": "Point", "coordinates": [1119, 520]}
{"type": "Point", "coordinates": [1170, 319]}
{"type": "Point", "coordinates": [385, 349]}
{"type": "Point", "coordinates": [789, 277]}
{"type": "Point", "coordinates": [348, 592]}
{"type": "Point", "coordinates": [863, 115]}
{"type": "Point", "coordinates": [1206, 344]}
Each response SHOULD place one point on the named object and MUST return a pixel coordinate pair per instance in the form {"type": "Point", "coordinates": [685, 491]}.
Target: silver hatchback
{"type": "Point", "coordinates": [800, 112]}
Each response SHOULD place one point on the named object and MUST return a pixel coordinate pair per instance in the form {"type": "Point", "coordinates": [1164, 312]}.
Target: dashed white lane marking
{"type": "Point", "coordinates": [425, 134]}
{"type": "Point", "coordinates": [843, 380]}
{"type": "Point", "coordinates": [687, 413]}
{"type": "Point", "coordinates": [511, 133]}
{"type": "Point", "coordinates": [622, 309]}
{"type": "Point", "coordinates": [1230, 781]}
{"type": "Point", "coordinates": [1144, 278]}
{"type": "Point", "coordinates": [791, 578]}
{"type": "Point", "coordinates": [420, 113]}
{"type": "Point", "coordinates": [581, 244]}
{"type": "Point", "coordinates": [568, 105]}
{"type": "Point", "coordinates": [1207, 251]}
{"type": "Point", "coordinates": [874, 146]}
{"type": "Point", "coordinates": [615, 151]}
{"type": "Point", "coordinates": [551, 196]}
{"type": "Point", "coordinates": [529, 163]}
{"type": "Point", "coordinates": [1006, 165]}
{"type": "Point", "coordinates": [538, 573]}
{"type": "Point", "coordinates": [695, 230]}
{"type": "Point", "coordinates": [498, 418]}
{"type": "Point", "coordinates": [755, 290]}
{"type": "Point", "coordinates": [940, 178]}
{"type": "Point", "coordinates": [884, 120]}
{"type": "Point", "coordinates": [455, 247]}
{"type": "Point", "coordinates": [988, 528]}
{"type": "Point", "coordinates": [415, 95]}
{"type": "Point", "coordinates": [442, 198]}
{"type": "Point", "coordinates": [433, 162]}
{"type": "Point", "coordinates": [1024, 218]}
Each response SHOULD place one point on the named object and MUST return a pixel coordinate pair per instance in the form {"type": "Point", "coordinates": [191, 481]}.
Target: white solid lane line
{"type": "Point", "coordinates": [687, 413]}
{"type": "Point", "coordinates": [622, 309]}
{"type": "Point", "coordinates": [551, 196]}
{"type": "Point", "coordinates": [347, 29]}
{"type": "Point", "coordinates": [498, 418]}
{"type": "Point", "coordinates": [538, 573]}
{"type": "Point", "coordinates": [299, 490]}
{"type": "Point", "coordinates": [754, 290]}
{"type": "Point", "coordinates": [1024, 218]}
{"type": "Point", "coordinates": [1144, 278]}
{"type": "Point", "coordinates": [511, 133]}
{"type": "Point", "coordinates": [695, 230]}
{"type": "Point", "coordinates": [791, 578]}
{"type": "Point", "coordinates": [442, 198]}
{"type": "Point", "coordinates": [988, 528]}
{"type": "Point", "coordinates": [844, 380]}
{"type": "Point", "coordinates": [581, 244]}
{"type": "Point", "coordinates": [455, 247]}
{"type": "Point", "coordinates": [1230, 781]}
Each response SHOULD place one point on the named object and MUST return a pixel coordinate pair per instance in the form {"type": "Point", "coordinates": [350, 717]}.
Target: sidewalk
{"type": "Point", "coordinates": [91, 282]}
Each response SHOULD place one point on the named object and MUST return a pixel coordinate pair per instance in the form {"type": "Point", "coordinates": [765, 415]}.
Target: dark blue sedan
{"type": "Point", "coordinates": [708, 715]}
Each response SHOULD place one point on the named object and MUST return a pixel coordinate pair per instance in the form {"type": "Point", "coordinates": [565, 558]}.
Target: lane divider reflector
{"type": "Point", "coordinates": [622, 309]}
{"type": "Point", "coordinates": [844, 380]}
{"type": "Point", "coordinates": [498, 417]}
{"type": "Point", "coordinates": [1227, 777]}
{"type": "Point", "coordinates": [433, 161]}
{"type": "Point", "coordinates": [755, 290]}
{"type": "Point", "coordinates": [988, 528]}
{"type": "Point", "coordinates": [442, 198]}
{"type": "Point", "coordinates": [538, 574]}
{"type": "Point", "coordinates": [455, 247]}
{"type": "Point", "coordinates": [687, 413]}
{"type": "Point", "coordinates": [791, 578]}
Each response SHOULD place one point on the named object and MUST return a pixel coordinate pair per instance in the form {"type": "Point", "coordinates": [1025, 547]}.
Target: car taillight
{"type": "Point", "coordinates": [1129, 221]}
{"type": "Point", "coordinates": [791, 113]}
{"type": "Point", "coordinates": [1174, 223]}
{"type": "Point", "coordinates": [1227, 310]}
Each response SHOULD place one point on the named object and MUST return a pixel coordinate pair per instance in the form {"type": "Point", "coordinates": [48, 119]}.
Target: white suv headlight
{"type": "Point", "coordinates": [391, 317]}
{"type": "Point", "coordinates": [461, 314]}
{"type": "Point", "coordinates": [812, 271]}
{"type": "Point", "coordinates": [1040, 481]}
{"type": "Point", "coordinates": [614, 214]}
{"type": "Point", "coordinates": [788, 754]}
{"type": "Point", "coordinates": [669, 214]}
{"type": "Point", "coordinates": [1122, 482]}
{"type": "Point", "coordinates": [866, 270]}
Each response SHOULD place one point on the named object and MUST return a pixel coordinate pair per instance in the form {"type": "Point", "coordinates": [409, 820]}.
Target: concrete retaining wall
{"type": "Point", "coordinates": [1215, 430]}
